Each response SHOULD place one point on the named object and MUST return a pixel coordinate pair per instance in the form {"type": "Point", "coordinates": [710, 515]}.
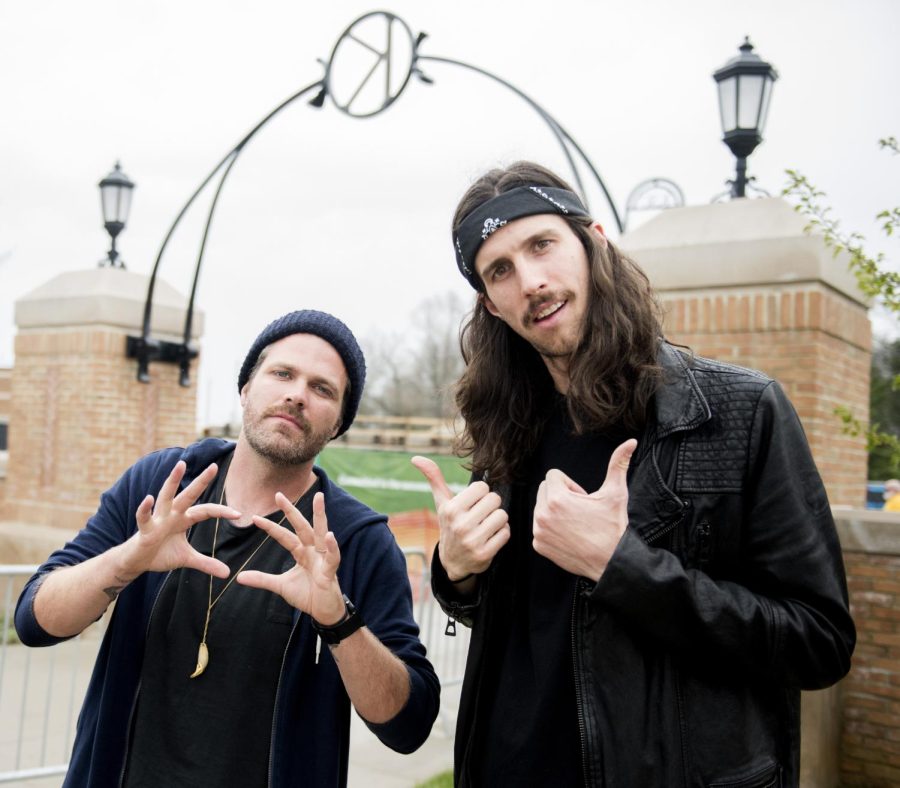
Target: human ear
{"type": "Point", "coordinates": [489, 305]}
{"type": "Point", "coordinates": [597, 230]}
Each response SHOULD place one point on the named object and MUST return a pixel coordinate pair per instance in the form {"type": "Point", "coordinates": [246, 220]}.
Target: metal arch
{"type": "Point", "coordinates": [144, 348]}
{"type": "Point", "coordinates": [563, 137]}
{"type": "Point", "coordinates": [559, 132]}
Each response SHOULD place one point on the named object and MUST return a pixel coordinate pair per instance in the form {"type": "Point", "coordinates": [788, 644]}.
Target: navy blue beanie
{"type": "Point", "coordinates": [334, 332]}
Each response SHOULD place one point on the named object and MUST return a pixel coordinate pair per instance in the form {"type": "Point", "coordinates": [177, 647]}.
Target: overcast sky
{"type": "Point", "coordinates": [352, 216]}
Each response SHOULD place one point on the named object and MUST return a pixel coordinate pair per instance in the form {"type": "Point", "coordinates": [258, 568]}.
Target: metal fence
{"type": "Point", "coordinates": [41, 689]}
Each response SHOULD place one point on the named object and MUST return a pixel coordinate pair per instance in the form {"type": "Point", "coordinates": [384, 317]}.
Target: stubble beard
{"type": "Point", "coordinates": [562, 346]}
{"type": "Point", "coordinates": [278, 448]}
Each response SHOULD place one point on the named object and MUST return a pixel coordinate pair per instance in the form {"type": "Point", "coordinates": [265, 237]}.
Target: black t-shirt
{"type": "Point", "coordinates": [215, 729]}
{"type": "Point", "coordinates": [530, 733]}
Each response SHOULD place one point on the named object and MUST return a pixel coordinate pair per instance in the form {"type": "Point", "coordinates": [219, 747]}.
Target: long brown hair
{"type": "Point", "coordinates": [505, 393]}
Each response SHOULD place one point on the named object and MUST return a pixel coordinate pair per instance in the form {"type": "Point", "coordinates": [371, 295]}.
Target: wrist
{"type": "Point", "coordinates": [125, 566]}
{"type": "Point", "coordinates": [346, 626]}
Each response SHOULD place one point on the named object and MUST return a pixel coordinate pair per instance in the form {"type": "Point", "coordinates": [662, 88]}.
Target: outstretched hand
{"type": "Point", "coordinates": [579, 531]}
{"type": "Point", "coordinates": [161, 543]}
{"type": "Point", "coordinates": [311, 584]}
{"type": "Point", "coordinates": [473, 526]}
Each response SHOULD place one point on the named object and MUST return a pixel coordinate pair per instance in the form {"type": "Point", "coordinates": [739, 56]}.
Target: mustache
{"type": "Point", "coordinates": [539, 302]}
{"type": "Point", "coordinates": [292, 413]}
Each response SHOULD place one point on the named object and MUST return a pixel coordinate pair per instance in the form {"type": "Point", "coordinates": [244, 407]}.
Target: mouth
{"type": "Point", "coordinates": [547, 310]}
{"type": "Point", "coordinates": [289, 419]}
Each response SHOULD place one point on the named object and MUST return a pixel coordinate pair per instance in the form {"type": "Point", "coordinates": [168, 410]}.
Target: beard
{"type": "Point", "coordinates": [563, 344]}
{"type": "Point", "coordinates": [279, 448]}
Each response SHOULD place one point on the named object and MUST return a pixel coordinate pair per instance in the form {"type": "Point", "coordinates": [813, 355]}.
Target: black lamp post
{"type": "Point", "coordinates": [115, 199]}
{"type": "Point", "coordinates": [745, 88]}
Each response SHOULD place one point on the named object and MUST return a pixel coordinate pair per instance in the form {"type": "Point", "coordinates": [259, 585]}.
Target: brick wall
{"type": "Point", "coordinates": [813, 340]}
{"type": "Point", "coordinates": [870, 744]}
{"type": "Point", "coordinates": [81, 418]}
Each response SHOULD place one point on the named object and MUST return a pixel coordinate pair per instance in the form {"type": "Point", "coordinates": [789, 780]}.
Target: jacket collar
{"type": "Point", "coordinates": [680, 405]}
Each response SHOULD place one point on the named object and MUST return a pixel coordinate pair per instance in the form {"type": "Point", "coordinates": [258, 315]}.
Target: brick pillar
{"type": "Point", "coordinates": [78, 415]}
{"type": "Point", "coordinates": [741, 282]}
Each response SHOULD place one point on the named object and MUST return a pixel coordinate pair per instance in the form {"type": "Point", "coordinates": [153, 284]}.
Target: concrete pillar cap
{"type": "Point", "coordinates": [106, 297]}
{"type": "Point", "coordinates": [737, 243]}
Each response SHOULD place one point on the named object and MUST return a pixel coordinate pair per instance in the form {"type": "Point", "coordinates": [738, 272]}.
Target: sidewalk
{"type": "Point", "coordinates": [372, 765]}
{"type": "Point", "coordinates": [48, 674]}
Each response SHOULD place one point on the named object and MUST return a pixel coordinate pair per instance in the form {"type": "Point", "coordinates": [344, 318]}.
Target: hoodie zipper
{"type": "Point", "coordinates": [137, 691]}
{"type": "Point", "coordinates": [277, 696]}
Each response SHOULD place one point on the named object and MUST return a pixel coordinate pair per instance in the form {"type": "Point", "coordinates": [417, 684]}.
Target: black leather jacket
{"type": "Point", "coordinates": [724, 598]}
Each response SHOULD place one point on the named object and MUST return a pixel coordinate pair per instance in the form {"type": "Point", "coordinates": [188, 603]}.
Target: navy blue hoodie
{"type": "Point", "coordinates": [311, 726]}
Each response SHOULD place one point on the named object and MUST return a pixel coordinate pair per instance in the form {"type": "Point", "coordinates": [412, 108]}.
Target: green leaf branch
{"type": "Point", "coordinates": [871, 274]}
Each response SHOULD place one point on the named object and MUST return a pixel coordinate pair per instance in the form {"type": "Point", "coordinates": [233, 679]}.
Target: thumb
{"type": "Point", "coordinates": [617, 470]}
{"type": "Point", "coordinates": [432, 473]}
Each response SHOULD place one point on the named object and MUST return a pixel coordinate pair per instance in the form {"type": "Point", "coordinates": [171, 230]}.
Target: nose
{"type": "Point", "coordinates": [297, 394]}
{"type": "Point", "coordinates": [532, 276]}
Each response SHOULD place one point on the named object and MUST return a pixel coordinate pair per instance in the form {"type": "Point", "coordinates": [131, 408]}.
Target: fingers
{"type": "Point", "coordinates": [144, 511]}
{"type": "Point", "coordinates": [294, 517]}
{"type": "Point", "coordinates": [211, 566]}
{"type": "Point", "coordinates": [169, 488]}
{"type": "Point", "coordinates": [256, 579]}
{"type": "Point", "coordinates": [189, 495]}
{"type": "Point", "coordinates": [325, 543]}
{"type": "Point", "coordinates": [556, 478]}
{"type": "Point", "coordinates": [209, 511]}
{"type": "Point", "coordinates": [500, 537]}
{"type": "Point", "coordinates": [320, 522]}
{"type": "Point", "coordinates": [287, 539]}
{"type": "Point", "coordinates": [432, 473]}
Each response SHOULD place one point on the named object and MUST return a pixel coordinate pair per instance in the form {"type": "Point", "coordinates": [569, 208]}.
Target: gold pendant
{"type": "Point", "coordinates": [202, 660]}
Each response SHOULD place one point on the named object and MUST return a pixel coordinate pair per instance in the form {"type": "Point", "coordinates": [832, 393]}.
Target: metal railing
{"type": "Point", "coordinates": [41, 689]}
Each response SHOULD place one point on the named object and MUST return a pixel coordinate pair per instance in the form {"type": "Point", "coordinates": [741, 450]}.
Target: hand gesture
{"type": "Point", "coordinates": [311, 585]}
{"type": "Point", "coordinates": [579, 531]}
{"type": "Point", "coordinates": [473, 526]}
{"type": "Point", "coordinates": [160, 543]}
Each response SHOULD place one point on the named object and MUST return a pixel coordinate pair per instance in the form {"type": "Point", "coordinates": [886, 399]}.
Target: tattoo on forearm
{"type": "Point", "coordinates": [113, 591]}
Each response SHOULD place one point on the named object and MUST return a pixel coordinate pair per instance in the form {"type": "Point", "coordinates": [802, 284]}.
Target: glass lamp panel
{"type": "Point", "coordinates": [728, 103]}
{"type": "Point", "coordinates": [750, 90]}
{"type": "Point", "coordinates": [109, 197]}
{"type": "Point", "coordinates": [124, 204]}
{"type": "Point", "coordinates": [764, 107]}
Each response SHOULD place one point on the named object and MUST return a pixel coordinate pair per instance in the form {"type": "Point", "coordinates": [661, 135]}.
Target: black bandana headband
{"type": "Point", "coordinates": [517, 203]}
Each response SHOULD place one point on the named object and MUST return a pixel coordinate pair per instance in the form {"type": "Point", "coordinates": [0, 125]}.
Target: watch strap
{"type": "Point", "coordinates": [343, 629]}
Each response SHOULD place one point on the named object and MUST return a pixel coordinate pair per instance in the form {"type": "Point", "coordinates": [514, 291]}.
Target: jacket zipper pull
{"type": "Point", "coordinates": [450, 629]}
{"type": "Point", "coordinates": [318, 648]}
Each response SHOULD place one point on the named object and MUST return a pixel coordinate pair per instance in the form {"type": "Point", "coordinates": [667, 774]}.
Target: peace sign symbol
{"type": "Point", "coordinates": [377, 53]}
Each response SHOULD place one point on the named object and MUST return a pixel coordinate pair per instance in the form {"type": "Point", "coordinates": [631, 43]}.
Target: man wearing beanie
{"type": "Point", "coordinates": [204, 681]}
{"type": "Point", "coordinates": [647, 558]}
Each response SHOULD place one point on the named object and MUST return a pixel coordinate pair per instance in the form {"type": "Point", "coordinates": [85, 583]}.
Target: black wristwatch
{"type": "Point", "coordinates": [343, 629]}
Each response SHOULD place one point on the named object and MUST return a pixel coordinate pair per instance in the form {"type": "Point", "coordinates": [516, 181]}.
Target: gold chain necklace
{"type": "Point", "coordinates": [203, 650]}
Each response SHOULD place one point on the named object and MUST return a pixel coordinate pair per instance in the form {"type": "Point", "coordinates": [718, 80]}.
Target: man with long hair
{"type": "Point", "coordinates": [647, 555]}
